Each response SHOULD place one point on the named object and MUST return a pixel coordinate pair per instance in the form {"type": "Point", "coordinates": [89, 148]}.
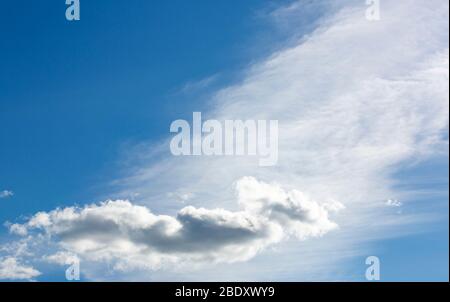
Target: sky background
{"type": "Point", "coordinates": [73, 93]}
{"type": "Point", "coordinates": [82, 103]}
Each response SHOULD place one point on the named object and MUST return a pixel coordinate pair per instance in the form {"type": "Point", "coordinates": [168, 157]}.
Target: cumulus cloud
{"type": "Point", "coordinates": [11, 269]}
{"type": "Point", "coordinates": [293, 210]}
{"type": "Point", "coordinates": [17, 229]}
{"type": "Point", "coordinates": [132, 236]}
{"type": "Point", "coordinates": [62, 258]}
{"type": "Point", "coordinates": [6, 194]}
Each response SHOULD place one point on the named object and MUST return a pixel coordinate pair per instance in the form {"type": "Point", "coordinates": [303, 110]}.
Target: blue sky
{"type": "Point", "coordinates": [72, 93]}
{"type": "Point", "coordinates": [83, 103]}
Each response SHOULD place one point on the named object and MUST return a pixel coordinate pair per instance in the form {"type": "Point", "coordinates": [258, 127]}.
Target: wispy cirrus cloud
{"type": "Point", "coordinates": [356, 101]}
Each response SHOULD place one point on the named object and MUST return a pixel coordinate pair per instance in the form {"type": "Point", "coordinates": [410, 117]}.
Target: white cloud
{"type": "Point", "coordinates": [131, 236]}
{"type": "Point", "coordinates": [17, 229]}
{"type": "Point", "coordinates": [181, 197]}
{"type": "Point", "coordinates": [393, 203]}
{"type": "Point", "coordinates": [62, 258]}
{"type": "Point", "coordinates": [293, 210]}
{"type": "Point", "coordinates": [6, 194]}
{"type": "Point", "coordinates": [11, 269]}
